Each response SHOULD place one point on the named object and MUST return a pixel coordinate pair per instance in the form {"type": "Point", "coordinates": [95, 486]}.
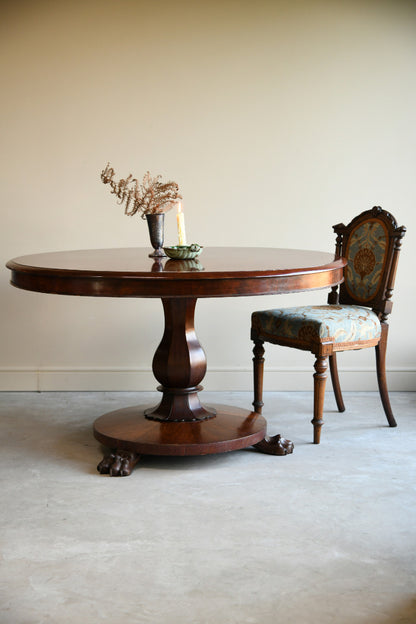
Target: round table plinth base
{"type": "Point", "coordinates": [129, 430]}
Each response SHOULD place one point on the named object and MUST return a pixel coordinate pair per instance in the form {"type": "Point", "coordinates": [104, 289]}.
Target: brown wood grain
{"type": "Point", "coordinates": [224, 272]}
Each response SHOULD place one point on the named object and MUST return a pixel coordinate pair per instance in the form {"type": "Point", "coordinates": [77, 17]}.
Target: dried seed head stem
{"type": "Point", "coordinates": [148, 197]}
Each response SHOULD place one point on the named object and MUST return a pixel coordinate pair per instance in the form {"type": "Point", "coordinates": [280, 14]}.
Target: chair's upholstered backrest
{"type": "Point", "coordinates": [371, 244]}
{"type": "Point", "coordinates": [366, 252]}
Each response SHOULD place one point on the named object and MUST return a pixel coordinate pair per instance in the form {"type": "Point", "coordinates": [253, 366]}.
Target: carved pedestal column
{"type": "Point", "coordinates": [179, 364]}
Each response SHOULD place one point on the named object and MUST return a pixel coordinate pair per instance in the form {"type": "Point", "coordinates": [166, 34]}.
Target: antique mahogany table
{"type": "Point", "coordinates": [180, 424]}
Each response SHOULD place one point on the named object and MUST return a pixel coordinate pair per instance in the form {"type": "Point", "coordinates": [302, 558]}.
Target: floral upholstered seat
{"type": "Point", "coordinates": [341, 324]}
{"type": "Point", "coordinates": [354, 318]}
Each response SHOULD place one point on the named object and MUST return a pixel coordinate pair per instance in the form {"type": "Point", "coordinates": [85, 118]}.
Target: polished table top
{"type": "Point", "coordinates": [218, 271]}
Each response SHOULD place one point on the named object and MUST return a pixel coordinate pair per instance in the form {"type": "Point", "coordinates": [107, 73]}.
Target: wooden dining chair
{"type": "Point", "coordinates": [354, 318]}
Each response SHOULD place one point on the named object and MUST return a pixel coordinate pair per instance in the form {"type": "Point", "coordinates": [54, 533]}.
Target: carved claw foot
{"type": "Point", "coordinates": [118, 463]}
{"type": "Point", "coordinates": [275, 445]}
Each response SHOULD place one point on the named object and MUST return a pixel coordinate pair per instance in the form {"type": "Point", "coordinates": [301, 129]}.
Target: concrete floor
{"type": "Point", "coordinates": [326, 535]}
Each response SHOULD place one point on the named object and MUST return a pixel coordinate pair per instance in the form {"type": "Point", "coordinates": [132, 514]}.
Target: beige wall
{"type": "Point", "coordinates": [277, 119]}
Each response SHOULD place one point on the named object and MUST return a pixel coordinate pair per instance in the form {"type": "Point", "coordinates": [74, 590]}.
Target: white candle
{"type": "Point", "coordinates": [180, 219]}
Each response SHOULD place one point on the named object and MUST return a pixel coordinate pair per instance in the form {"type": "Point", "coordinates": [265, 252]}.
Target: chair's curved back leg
{"type": "Point", "coordinates": [381, 349]}
{"type": "Point", "coordinates": [319, 383]}
{"type": "Point", "coordinates": [333, 367]}
{"type": "Point", "coordinates": [258, 369]}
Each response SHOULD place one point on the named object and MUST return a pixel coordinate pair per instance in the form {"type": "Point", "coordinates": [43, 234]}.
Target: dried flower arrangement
{"type": "Point", "coordinates": [149, 197]}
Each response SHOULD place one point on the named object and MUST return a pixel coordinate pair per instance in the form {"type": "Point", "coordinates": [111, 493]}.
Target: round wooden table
{"type": "Point", "coordinates": [180, 424]}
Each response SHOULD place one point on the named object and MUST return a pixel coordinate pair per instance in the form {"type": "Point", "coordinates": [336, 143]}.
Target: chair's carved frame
{"type": "Point", "coordinates": [380, 303]}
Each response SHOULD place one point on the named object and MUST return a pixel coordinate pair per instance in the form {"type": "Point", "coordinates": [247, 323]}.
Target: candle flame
{"type": "Point", "coordinates": [179, 207]}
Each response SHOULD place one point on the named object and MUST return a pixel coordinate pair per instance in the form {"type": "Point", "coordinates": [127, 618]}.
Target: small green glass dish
{"type": "Point", "coordinates": [183, 252]}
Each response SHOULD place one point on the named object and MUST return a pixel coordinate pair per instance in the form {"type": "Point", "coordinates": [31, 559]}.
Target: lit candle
{"type": "Point", "coordinates": [180, 219]}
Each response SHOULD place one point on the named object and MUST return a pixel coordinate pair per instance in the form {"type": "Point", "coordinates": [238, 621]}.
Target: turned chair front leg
{"type": "Point", "coordinates": [258, 371]}
{"type": "Point", "coordinates": [319, 383]}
